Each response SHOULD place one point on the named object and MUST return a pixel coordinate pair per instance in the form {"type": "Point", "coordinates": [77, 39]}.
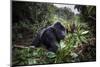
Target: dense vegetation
{"type": "Point", "coordinates": [28, 18]}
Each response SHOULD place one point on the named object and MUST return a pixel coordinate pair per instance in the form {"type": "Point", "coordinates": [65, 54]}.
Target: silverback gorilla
{"type": "Point", "coordinates": [50, 37]}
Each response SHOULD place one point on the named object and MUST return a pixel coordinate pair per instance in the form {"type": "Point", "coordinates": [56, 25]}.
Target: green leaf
{"type": "Point", "coordinates": [51, 55]}
{"type": "Point", "coordinates": [32, 61]}
{"type": "Point", "coordinates": [74, 55]}
{"type": "Point", "coordinates": [62, 45]}
{"type": "Point", "coordinates": [85, 32]}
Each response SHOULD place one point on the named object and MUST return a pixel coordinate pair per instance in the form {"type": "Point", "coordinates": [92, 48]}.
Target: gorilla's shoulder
{"type": "Point", "coordinates": [46, 30]}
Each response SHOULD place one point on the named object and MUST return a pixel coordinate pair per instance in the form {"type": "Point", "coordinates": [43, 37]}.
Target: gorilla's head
{"type": "Point", "coordinates": [60, 30]}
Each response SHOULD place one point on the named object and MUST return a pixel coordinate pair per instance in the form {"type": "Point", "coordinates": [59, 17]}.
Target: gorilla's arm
{"type": "Point", "coordinates": [49, 40]}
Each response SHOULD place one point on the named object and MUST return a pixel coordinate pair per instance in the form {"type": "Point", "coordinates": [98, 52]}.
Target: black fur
{"type": "Point", "coordinates": [51, 36]}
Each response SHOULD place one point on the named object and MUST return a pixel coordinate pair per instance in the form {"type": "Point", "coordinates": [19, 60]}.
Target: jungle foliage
{"type": "Point", "coordinates": [28, 18]}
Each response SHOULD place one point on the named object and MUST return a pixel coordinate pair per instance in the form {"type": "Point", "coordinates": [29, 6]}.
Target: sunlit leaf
{"type": "Point", "coordinates": [51, 55]}
{"type": "Point", "coordinates": [62, 45]}
{"type": "Point", "coordinates": [85, 32]}
{"type": "Point", "coordinates": [74, 55]}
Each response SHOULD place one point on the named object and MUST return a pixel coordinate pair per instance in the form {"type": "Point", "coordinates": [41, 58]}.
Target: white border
{"type": "Point", "coordinates": [5, 33]}
{"type": "Point", "coordinates": [84, 2]}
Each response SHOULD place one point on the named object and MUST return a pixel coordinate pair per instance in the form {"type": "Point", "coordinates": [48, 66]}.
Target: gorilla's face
{"type": "Point", "coordinates": [60, 30]}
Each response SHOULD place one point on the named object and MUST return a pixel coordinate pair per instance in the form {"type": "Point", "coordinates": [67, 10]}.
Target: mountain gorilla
{"type": "Point", "coordinates": [50, 37]}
